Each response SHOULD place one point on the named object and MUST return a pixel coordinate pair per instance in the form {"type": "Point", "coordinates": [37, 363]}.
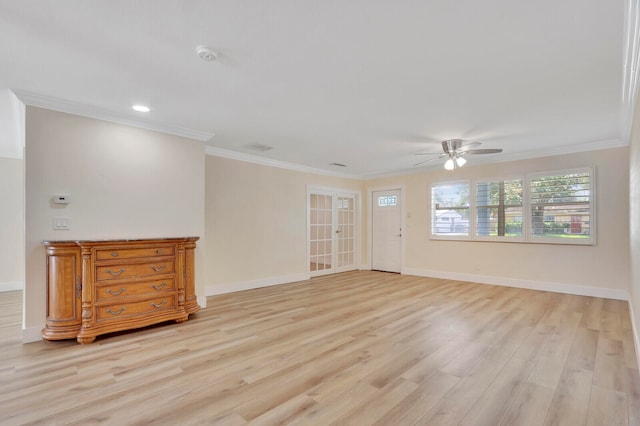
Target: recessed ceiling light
{"type": "Point", "coordinates": [141, 108]}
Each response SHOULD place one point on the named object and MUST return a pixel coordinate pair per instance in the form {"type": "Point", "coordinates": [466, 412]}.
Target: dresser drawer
{"type": "Point", "coordinates": [132, 253]}
{"type": "Point", "coordinates": [105, 292]}
{"type": "Point", "coordinates": [119, 271]}
{"type": "Point", "coordinates": [121, 311]}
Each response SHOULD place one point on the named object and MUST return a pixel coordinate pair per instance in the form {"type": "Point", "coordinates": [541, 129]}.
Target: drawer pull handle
{"type": "Point", "coordinates": [158, 251]}
{"type": "Point", "coordinates": [114, 254]}
{"type": "Point", "coordinates": [115, 293]}
{"type": "Point", "coordinates": [158, 305]}
{"type": "Point", "coordinates": [118, 312]}
{"type": "Point", "coordinates": [158, 287]}
{"type": "Point", "coordinates": [115, 274]}
{"type": "Point", "coordinates": [158, 268]}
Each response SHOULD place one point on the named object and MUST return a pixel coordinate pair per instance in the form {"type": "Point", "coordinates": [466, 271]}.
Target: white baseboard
{"type": "Point", "coordinates": [202, 301]}
{"type": "Point", "coordinates": [31, 334]}
{"type": "Point", "coordinates": [577, 289]}
{"type": "Point", "coordinates": [213, 289]}
{"type": "Point", "coordinates": [11, 285]}
{"type": "Point", "coordinates": [634, 330]}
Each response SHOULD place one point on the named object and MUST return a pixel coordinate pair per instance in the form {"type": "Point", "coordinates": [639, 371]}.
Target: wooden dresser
{"type": "Point", "coordinates": [98, 287]}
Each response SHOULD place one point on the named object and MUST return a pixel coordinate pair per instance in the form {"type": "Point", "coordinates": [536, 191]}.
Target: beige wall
{"type": "Point", "coordinates": [123, 182]}
{"type": "Point", "coordinates": [256, 222]}
{"type": "Point", "coordinates": [11, 224]}
{"type": "Point", "coordinates": [256, 228]}
{"type": "Point", "coordinates": [604, 266]}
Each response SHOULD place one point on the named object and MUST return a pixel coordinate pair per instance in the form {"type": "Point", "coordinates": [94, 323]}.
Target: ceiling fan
{"type": "Point", "coordinates": [456, 149]}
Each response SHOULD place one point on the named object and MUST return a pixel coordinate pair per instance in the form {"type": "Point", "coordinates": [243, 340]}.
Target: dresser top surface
{"type": "Point", "coordinates": [120, 241]}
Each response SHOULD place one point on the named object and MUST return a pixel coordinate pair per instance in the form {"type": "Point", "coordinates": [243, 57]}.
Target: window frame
{"type": "Point", "coordinates": [477, 181]}
{"type": "Point", "coordinates": [591, 241]}
{"type": "Point", "coordinates": [527, 236]}
{"type": "Point", "coordinates": [433, 216]}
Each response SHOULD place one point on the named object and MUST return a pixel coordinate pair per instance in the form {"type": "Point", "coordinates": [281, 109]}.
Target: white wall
{"type": "Point", "coordinates": [11, 125]}
{"type": "Point", "coordinates": [123, 182]}
{"type": "Point", "coordinates": [601, 270]}
{"type": "Point", "coordinates": [11, 224]}
{"type": "Point", "coordinates": [11, 192]}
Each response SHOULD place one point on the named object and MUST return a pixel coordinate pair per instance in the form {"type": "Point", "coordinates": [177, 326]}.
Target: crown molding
{"type": "Point", "coordinates": [564, 149]}
{"type": "Point", "coordinates": [630, 67]}
{"type": "Point", "coordinates": [76, 108]}
{"type": "Point", "coordinates": [247, 158]}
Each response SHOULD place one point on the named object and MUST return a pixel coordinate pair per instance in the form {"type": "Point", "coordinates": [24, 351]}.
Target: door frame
{"type": "Point", "coordinates": [403, 224]}
{"type": "Point", "coordinates": [357, 261]}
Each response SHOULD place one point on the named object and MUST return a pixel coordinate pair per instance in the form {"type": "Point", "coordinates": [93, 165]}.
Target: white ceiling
{"type": "Point", "coordinates": [367, 83]}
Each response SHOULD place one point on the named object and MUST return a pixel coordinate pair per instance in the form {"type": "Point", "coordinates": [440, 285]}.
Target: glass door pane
{"type": "Point", "coordinates": [320, 232]}
{"type": "Point", "coordinates": [345, 211]}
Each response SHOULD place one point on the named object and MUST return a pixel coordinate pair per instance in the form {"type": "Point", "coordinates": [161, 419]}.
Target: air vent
{"type": "Point", "coordinates": [338, 164]}
{"type": "Point", "coordinates": [259, 147]}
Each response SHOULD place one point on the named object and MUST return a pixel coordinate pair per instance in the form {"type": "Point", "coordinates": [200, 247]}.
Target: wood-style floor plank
{"type": "Point", "coordinates": [358, 348]}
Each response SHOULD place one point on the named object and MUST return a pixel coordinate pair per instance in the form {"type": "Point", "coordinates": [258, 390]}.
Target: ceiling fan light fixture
{"type": "Point", "coordinates": [449, 164]}
{"type": "Point", "coordinates": [456, 149]}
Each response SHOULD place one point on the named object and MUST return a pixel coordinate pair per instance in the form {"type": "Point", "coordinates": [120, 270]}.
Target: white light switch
{"type": "Point", "coordinates": [60, 223]}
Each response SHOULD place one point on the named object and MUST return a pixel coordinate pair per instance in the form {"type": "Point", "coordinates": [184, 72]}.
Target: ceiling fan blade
{"type": "Point", "coordinates": [430, 153]}
{"type": "Point", "coordinates": [466, 147]}
{"type": "Point", "coordinates": [430, 159]}
{"type": "Point", "coordinates": [483, 151]}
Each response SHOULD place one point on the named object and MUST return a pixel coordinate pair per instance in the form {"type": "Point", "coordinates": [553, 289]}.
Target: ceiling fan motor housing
{"type": "Point", "coordinates": [451, 145]}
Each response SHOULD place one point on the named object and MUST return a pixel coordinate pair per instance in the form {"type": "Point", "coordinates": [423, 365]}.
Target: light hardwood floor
{"type": "Point", "coordinates": [359, 348]}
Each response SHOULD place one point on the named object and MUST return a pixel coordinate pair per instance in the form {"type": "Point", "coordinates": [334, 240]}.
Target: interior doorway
{"type": "Point", "coordinates": [332, 231]}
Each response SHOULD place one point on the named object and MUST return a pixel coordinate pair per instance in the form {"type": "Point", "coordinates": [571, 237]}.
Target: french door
{"type": "Point", "coordinates": [332, 232]}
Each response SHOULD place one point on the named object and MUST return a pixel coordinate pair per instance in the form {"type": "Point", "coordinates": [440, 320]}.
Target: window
{"type": "Point", "coordinates": [450, 206]}
{"type": "Point", "coordinates": [561, 205]}
{"type": "Point", "coordinates": [551, 207]}
{"type": "Point", "coordinates": [387, 200]}
{"type": "Point", "coordinates": [499, 208]}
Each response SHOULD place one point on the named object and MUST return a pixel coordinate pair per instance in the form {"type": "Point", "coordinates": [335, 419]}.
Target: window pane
{"type": "Point", "coordinates": [561, 206]}
{"type": "Point", "coordinates": [387, 200]}
{"type": "Point", "coordinates": [499, 208]}
{"type": "Point", "coordinates": [450, 209]}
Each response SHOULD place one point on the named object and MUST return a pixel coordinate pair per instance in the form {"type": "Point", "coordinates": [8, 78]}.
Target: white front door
{"type": "Point", "coordinates": [386, 231]}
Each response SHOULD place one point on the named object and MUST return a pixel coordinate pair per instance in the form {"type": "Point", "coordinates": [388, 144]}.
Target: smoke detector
{"type": "Point", "coordinates": [206, 54]}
